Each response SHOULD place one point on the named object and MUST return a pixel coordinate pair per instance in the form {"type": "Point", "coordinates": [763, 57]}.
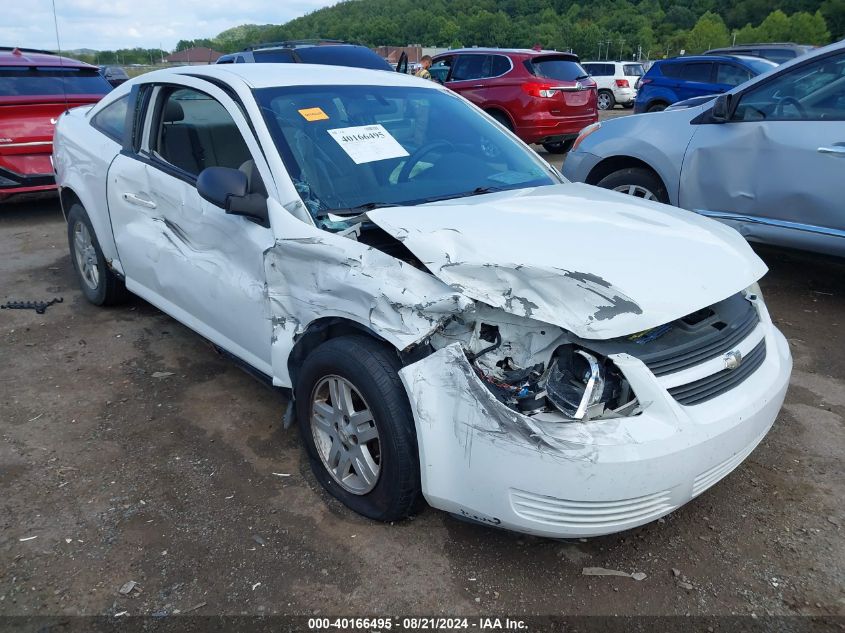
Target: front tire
{"type": "Point", "coordinates": [357, 427]}
{"type": "Point", "coordinates": [100, 285]}
{"type": "Point", "coordinates": [606, 100]}
{"type": "Point", "coordinates": [638, 182]}
{"type": "Point", "coordinates": [657, 107]}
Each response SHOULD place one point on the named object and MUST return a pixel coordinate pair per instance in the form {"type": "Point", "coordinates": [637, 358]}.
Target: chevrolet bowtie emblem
{"type": "Point", "coordinates": [733, 359]}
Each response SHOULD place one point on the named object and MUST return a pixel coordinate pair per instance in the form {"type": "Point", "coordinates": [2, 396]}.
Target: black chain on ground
{"type": "Point", "coordinates": [39, 306]}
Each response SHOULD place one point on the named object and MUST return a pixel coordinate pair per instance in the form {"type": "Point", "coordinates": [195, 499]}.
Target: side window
{"type": "Point", "coordinates": [240, 59]}
{"type": "Point", "coordinates": [813, 91]}
{"type": "Point", "coordinates": [593, 69]}
{"type": "Point", "coordinates": [471, 67]}
{"type": "Point", "coordinates": [195, 131]}
{"type": "Point", "coordinates": [111, 120]}
{"type": "Point", "coordinates": [731, 75]}
{"type": "Point", "coordinates": [696, 71]}
{"type": "Point", "coordinates": [501, 65]}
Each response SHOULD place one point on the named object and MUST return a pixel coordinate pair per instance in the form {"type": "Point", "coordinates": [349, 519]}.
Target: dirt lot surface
{"type": "Point", "coordinates": [130, 451]}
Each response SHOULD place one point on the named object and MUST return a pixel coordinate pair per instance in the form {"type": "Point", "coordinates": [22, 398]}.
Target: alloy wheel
{"type": "Point", "coordinates": [345, 434]}
{"type": "Point", "coordinates": [86, 255]}
{"type": "Point", "coordinates": [638, 191]}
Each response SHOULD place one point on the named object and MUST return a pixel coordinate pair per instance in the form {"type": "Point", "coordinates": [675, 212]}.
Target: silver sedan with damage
{"type": "Point", "coordinates": [766, 158]}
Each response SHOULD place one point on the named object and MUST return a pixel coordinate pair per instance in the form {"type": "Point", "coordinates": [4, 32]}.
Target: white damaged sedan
{"type": "Point", "coordinates": [454, 320]}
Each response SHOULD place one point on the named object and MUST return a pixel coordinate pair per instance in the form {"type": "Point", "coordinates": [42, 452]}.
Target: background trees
{"type": "Point", "coordinates": [616, 29]}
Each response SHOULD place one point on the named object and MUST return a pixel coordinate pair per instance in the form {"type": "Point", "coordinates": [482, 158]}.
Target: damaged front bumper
{"type": "Point", "coordinates": [484, 461]}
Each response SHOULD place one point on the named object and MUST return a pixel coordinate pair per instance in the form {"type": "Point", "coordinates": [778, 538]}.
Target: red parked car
{"type": "Point", "coordinates": [35, 88]}
{"type": "Point", "coordinates": [542, 96]}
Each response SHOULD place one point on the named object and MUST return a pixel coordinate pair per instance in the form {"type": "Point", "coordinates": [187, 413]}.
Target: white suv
{"type": "Point", "coordinates": [616, 82]}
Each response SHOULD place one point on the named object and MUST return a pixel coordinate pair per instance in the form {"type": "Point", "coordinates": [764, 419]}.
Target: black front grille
{"type": "Point", "coordinates": [718, 383]}
{"type": "Point", "coordinates": [704, 348]}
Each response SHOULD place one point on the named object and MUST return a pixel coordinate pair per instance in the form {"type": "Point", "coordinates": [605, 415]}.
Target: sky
{"type": "Point", "coordinates": [113, 24]}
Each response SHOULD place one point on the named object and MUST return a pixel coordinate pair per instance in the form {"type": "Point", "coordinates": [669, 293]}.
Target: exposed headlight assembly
{"type": "Point", "coordinates": [584, 385]}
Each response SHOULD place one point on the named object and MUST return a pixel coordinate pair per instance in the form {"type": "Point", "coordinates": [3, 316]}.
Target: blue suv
{"type": "Point", "coordinates": [681, 78]}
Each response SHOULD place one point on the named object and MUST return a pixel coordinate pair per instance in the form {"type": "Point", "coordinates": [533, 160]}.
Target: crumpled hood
{"type": "Point", "coordinates": [595, 262]}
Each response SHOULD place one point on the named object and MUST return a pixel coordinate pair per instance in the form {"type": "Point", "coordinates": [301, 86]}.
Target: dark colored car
{"type": "Point", "coordinates": [543, 97]}
{"type": "Point", "coordinates": [115, 75]}
{"type": "Point", "coordinates": [671, 80]}
{"type": "Point", "coordinates": [331, 52]}
{"type": "Point", "coordinates": [778, 52]}
{"type": "Point", "coordinates": [36, 87]}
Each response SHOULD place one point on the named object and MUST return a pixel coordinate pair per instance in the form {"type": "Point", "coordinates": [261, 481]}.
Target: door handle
{"type": "Point", "coordinates": [138, 201]}
{"type": "Point", "coordinates": [838, 150]}
{"type": "Point", "coordinates": [477, 86]}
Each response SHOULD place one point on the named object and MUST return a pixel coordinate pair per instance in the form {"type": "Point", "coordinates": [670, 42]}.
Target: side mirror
{"type": "Point", "coordinates": [228, 188]}
{"type": "Point", "coordinates": [721, 111]}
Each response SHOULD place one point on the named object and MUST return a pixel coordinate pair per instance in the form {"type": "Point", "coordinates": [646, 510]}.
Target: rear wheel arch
{"type": "Point", "coordinates": [501, 116]}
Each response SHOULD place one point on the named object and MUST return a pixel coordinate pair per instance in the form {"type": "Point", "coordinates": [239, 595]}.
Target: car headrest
{"type": "Point", "coordinates": [173, 112]}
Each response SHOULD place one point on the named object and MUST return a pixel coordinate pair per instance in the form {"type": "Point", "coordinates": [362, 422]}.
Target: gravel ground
{"type": "Point", "coordinates": [131, 451]}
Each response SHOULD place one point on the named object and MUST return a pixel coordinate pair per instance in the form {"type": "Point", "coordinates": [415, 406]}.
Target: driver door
{"type": "Point", "coordinates": [774, 170]}
{"type": "Point", "coordinates": [179, 252]}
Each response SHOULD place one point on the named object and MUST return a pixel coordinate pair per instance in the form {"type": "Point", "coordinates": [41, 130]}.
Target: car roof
{"type": "Point", "coordinates": [33, 57]}
{"type": "Point", "coordinates": [610, 61]}
{"type": "Point", "coordinates": [270, 75]}
{"type": "Point", "coordinates": [786, 45]}
{"type": "Point", "coordinates": [298, 44]}
{"type": "Point", "coordinates": [506, 51]}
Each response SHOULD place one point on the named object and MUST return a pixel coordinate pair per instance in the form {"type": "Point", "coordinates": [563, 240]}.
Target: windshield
{"type": "Point", "coordinates": [349, 148]}
{"type": "Point", "coordinates": [25, 81]}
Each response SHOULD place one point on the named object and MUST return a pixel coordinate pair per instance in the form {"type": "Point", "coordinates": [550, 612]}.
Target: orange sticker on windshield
{"type": "Point", "coordinates": [313, 114]}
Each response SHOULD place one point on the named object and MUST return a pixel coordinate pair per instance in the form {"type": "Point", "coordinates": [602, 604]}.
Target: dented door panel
{"type": "Point", "coordinates": [191, 259]}
{"type": "Point", "coordinates": [766, 176]}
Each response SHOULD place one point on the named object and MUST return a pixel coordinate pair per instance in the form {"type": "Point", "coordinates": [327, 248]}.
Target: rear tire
{"type": "Point", "coordinates": [561, 147]}
{"type": "Point", "coordinates": [606, 100]}
{"type": "Point", "coordinates": [100, 285]}
{"type": "Point", "coordinates": [357, 426]}
{"type": "Point", "coordinates": [638, 182]}
{"type": "Point", "coordinates": [657, 107]}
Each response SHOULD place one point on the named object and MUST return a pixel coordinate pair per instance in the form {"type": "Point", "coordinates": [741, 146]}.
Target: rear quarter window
{"type": "Point", "coordinates": [670, 70]}
{"type": "Point", "coordinates": [111, 120]}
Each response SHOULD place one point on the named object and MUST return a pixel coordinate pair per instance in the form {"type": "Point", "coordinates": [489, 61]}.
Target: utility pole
{"type": "Point", "coordinates": [734, 40]}
{"type": "Point", "coordinates": [621, 44]}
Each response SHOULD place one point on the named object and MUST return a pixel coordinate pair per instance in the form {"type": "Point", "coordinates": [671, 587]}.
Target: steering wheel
{"type": "Point", "coordinates": [802, 113]}
{"type": "Point", "coordinates": [414, 158]}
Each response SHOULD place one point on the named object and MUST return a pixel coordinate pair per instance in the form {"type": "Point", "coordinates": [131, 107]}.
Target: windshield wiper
{"type": "Point", "coordinates": [478, 191]}
{"type": "Point", "coordinates": [359, 209]}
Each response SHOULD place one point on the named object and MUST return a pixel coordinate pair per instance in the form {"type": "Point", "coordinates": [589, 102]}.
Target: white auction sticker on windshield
{"type": "Point", "coordinates": [367, 143]}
